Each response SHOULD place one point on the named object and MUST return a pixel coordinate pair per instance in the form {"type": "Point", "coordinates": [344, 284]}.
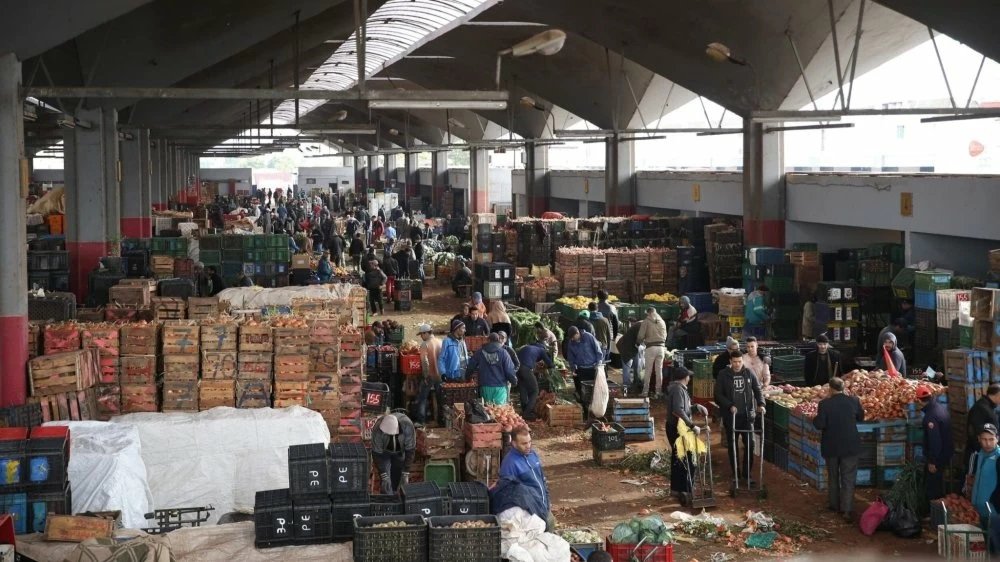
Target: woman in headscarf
{"type": "Point", "coordinates": [477, 302]}
{"type": "Point", "coordinates": [498, 318]}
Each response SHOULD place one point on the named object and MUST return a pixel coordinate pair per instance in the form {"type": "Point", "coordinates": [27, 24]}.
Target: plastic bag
{"type": "Point", "coordinates": [873, 517]}
{"type": "Point", "coordinates": [904, 523]}
{"type": "Point", "coordinates": [599, 401]}
{"type": "Point", "coordinates": [476, 413]}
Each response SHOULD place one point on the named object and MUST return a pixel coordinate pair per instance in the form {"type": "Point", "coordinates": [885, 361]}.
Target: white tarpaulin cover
{"type": "Point", "coordinates": [223, 456]}
{"type": "Point", "coordinates": [106, 470]}
{"type": "Point", "coordinates": [523, 538]}
{"type": "Point", "coordinates": [245, 298]}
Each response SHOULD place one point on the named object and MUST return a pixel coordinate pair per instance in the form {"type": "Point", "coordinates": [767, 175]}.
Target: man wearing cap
{"type": "Point", "coordinates": [583, 354]}
{"type": "Point", "coordinates": [722, 360]}
{"type": "Point", "coordinates": [430, 350]}
{"type": "Point", "coordinates": [454, 357]}
{"type": "Point", "coordinates": [938, 446]}
{"type": "Point", "coordinates": [653, 333]}
{"type": "Point", "coordinates": [837, 418]}
{"type": "Point", "coordinates": [527, 385]}
{"type": "Point", "coordinates": [477, 325]}
{"type": "Point", "coordinates": [822, 364]}
{"type": "Point", "coordinates": [602, 327]}
{"type": "Point", "coordinates": [983, 412]}
{"type": "Point", "coordinates": [549, 340]}
{"type": "Point", "coordinates": [583, 322]}
{"type": "Point", "coordinates": [394, 441]}
{"type": "Point", "coordinates": [981, 481]}
{"type": "Point", "coordinates": [496, 371]}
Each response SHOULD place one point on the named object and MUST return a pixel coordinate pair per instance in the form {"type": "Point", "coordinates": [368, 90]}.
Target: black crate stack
{"type": "Point", "coordinates": [495, 280]}
{"type": "Point", "coordinates": [48, 264]}
{"type": "Point", "coordinates": [35, 481]}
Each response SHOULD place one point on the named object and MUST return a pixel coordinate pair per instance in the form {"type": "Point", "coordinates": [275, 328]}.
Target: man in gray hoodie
{"type": "Point", "coordinates": [888, 344]}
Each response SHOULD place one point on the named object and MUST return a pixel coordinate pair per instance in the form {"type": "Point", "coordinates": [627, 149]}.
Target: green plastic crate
{"type": "Point", "coordinates": [779, 415]}
{"type": "Point", "coordinates": [780, 284]}
{"type": "Point", "coordinates": [965, 336]}
{"type": "Point", "coordinates": [442, 472]}
{"type": "Point", "coordinates": [210, 257]}
{"type": "Point", "coordinates": [232, 256]}
{"type": "Point", "coordinates": [277, 241]}
{"type": "Point", "coordinates": [805, 247]}
{"type": "Point", "coordinates": [210, 242]}
{"type": "Point", "coordinates": [931, 280]}
{"type": "Point", "coordinates": [232, 242]}
{"type": "Point", "coordinates": [702, 368]}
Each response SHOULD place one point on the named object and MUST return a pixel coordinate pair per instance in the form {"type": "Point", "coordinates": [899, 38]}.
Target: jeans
{"type": "Point", "coordinates": [426, 388]}
{"type": "Point", "coordinates": [527, 388]}
{"type": "Point", "coordinates": [746, 458]}
{"type": "Point", "coordinates": [654, 357]}
{"type": "Point", "coordinates": [842, 473]}
{"type": "Point", "coordinates": [389, 465]}
{"type": "Point", "coordinates": [375, 299]}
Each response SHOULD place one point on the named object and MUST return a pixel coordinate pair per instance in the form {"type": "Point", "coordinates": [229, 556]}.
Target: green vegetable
{"type": "Point", "coordinates": [622, 534]}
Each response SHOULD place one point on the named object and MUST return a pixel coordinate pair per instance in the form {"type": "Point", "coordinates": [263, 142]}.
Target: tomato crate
{"type": "Point", "coordinates": [180, 396]}
{"type": "Point", "coordinates": [139, 339]}
{"type": "Point", "coordinates": [352, 345]}
{"type": "Point", "coordinates": [324, 392]}
{"type": "Point", "coordinates": [324, 357]}
{"type": "Point", "coordinates": [256, 338]}
{"type": "Point", "coordinates": [139, 398]}
{"type": "Point", "coordinates": [410, 364]}
{"type": "Point", "coordinates": [181, 367]}
{"type": "Point", "coordinates": [60, 337]}
{"type": "Point", "coordinates": [168, 308]}
{"type": "Point", "coordinates": [181, 336]}
{"type": "Point", "coordinates": [291, 341]}
{"type": "Point", "coordinates": [63, 372]}
{"type": "Point", "coordinates": [108, 398]}
{"type": "Point", "coordinates": [253, 393]}
{"type": "Point", "coordinates": [482, 435]}
{"type": "Point", "coordinates": [324, 330]}
{"type": "Point", "coordinates": [219, 336]}
{"type": "Point", "coordinates": [218, 365]}
{"type": "Point", "coordinates": [213, 394]}
{"type": "Point", "coordinates": [199, 308]}
{"type": "Point", "coordinates": [291, 368]}
{"type": "Point", "coordinates": [290, 394]}
{"type": "Point", "coordinates": [106, 339]}
{"type": "Point", "coordinates": [74, 405]}
{"type": "Point", "coordinates": [254, 365]}
{"type": "Point", "coordinates": [108, 370]}
{"type": "Point", "coordinates": [137, 369]}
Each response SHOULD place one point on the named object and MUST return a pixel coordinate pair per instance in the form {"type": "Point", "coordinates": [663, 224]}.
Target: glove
{"type": "Point", "coordinates": [697, 430]}
{"type": "Point", "coordinates": [701, 409]}
{"type": "Point", "coordinates": [406, 479]}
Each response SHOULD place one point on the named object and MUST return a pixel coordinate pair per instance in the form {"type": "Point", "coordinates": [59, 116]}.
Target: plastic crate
{"type": "Point", "coordinates": [447, 544]}
{"type": "Point", "coordinates": [608, 440]}
{"type": "Point", "coordinates": [891, 454]}
{"type": "Point", "coordinates": [272, 518]}
{"type": "Point", "coordinates": [374, 396]}
{"type": "Point", "coordinates": [469, 498]}
{"type": "Point", "coordinates": [385, 504]}
{"type": "Point", "coordinates": [48, 457]}
{"type": "Point", "coordinates": [646, 552]}
{"type": "Point", "coordinates": [390, 544]}
{"type": "Point", "coordinates": [313, 520]}
{"type": "Point", "coordinates": [349, 468]}
{"type": "Point", "coordinates": [423, 498]}
{"type": "Point", "coordinates": [441, 471]}
{"type": "Point", "coordinates": [42, 504]}
{"type": "Point", "coordinates": [925, 300]}
{"type": "Point", "coordinates": [16, 505]}
{"type": "Point", "coordinates": [345, 510]}
{"type": "Point", "coordinates": [887, 476]}
{"type": "Point", "coordinates": [308, 470]}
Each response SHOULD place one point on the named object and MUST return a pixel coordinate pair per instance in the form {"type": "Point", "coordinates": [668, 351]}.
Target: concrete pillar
{"type": "Point", "coordinates": [155, 172]}
{"type": "Point", "coordinates": [479, 181]}
{"type": "Point", "coordinates": [178, 186]}
{"type": "Point", "coordinates": [135, 219]}
{"type": "Point", "coordinates": [619, 177]}
{"type": "Point", "coordinates": [392, 176]}
{"type": "Point", "coordinates": [374, 178]}
{"type": "Point", "coordinates": [14, 281]}
{"type": "Point", "coordinates": [92, 194]}
{"type": "Point", "coordinates": [439, 180]}
{"type": "Point", "coordinates": [763, 187]}
{"type": "Point", "coordinates": [411, 162]}
{"type": "Point", "coordinates": [537, 181]}
{"type": "Point", "coordinates": [360, 175]}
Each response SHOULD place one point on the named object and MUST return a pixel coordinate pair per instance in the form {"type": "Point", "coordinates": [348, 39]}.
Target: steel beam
{"type": "Point", "coordinates": [823, 115]}
{"type": "Point", "coordinates": [98, 92]}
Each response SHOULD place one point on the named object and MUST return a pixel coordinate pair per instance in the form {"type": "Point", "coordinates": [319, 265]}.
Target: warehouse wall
{"type": "Point", "coordinates": [964, 256]}
{"type": "Point", "coordinates": [832, 237]}
{"type": "Point", "coordinates": [322, 176]}
{"type": "Point", "coordinates": [717, 192]}
{"type": "Point", "coordinates": [223, 174]}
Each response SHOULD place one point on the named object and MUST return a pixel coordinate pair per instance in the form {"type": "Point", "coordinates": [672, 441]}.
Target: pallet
{"type": "Point", "coordinates": [291, 341]}
{"type": "Point", "coordinates": [212, 394]}
{"type": "Point", "coordinates": [63, 372]}
{"type": "Point", "coordinates": [483, 435]}
{"type": "Point", "coordinates": [562, 415]}
{"type": "Point", "coordinates": [181, 336]}
{"type": "Point", "coordinates": [180, 396]}
{"type": "Point", "coordinates": [253, 393]}
{"type": "Point", "coordinates": [199, 308]}
{"type": "Point", "coordinates": [76, 405]}
{"type": "Point", "coordinates": [290, 394]}
{"type": "Point", "coordinates": [291, 368]}
{"type": "Point", "coordinates": [219, 337]}
{"type": "Point", "coordinates": [58, 338]}
{"type": "Point", "coordinates": [137, 339]}
{"type": "Point", "coordinates": [605, 458]}
{"type": "Point", "coordinates": [256, 339]}
{"type": "Point", "coordinates": [180, 367]}
{"type": "Point", "coordinates": [139, 398]}
{"type": "Point", "coordinates": [254, 365]}
{"type": "Point", "coordinates": [168, 308]}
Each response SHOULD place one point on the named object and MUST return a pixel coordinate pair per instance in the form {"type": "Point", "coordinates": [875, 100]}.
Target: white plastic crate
{"type": "Point", "coordinates": [962, 542]}
{"type": "Point", "coordinates": [949, 303]}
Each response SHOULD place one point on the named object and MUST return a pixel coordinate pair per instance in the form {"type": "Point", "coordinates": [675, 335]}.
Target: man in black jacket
{"type": "Point", "coordinates": [822, 364]}
{"type": "Point", "coordinates": [837, 417]}
{"type": "Point", "coordinates": [982, 413]}
{"type": "Point", "coordinates": [737, 392]}
{"type": "Point", "coordinates": [722, 360]}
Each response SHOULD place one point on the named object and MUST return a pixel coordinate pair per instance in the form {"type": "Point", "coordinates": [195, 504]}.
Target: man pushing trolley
{"type": "Point", "coordinates": [741, 406]}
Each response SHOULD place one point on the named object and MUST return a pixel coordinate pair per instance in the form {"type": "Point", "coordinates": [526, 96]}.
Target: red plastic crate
{"type": "Point", "coordinates": [410, 365]}
{"type": "Point", "coordinates": [647, 553]}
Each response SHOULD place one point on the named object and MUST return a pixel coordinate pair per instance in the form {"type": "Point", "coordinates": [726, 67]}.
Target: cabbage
{"type": "Point", "coordinates": [622, 534]}
{"type": "Point", "coordinates": [653, 524]}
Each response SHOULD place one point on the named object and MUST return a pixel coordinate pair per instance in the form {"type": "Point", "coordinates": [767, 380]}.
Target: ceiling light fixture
{"type": "Point", "coordinates": [546, 43]}
{"type": "Point", "coordinates": [340, 115]}
{"type": "Point", "coordinates": [529, 102]}
{"type": "Point", "coordinates": [721, 53]}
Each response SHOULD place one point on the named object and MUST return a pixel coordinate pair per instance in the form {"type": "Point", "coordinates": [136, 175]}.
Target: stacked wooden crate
{"type": "Point", "coordinates": [181, 364]}
{"type": "Point", "coordinates": [324, 382]}
{"type": "Point", "coordinates": [138, 367]}
{"type": "Point", "coordinates": [255, 366]}
{"type": "Point", "coordinates": [168, 308]}
{"type": "Point", "coordinates": [62, 384]}
{"type": "Point", "coordinates": [291, 366]}
{"type": "Point", "coordinates": [106, 340]}
{"type": "Point", "coordinates": [219, 339]}
{"type": "Point", "coordinates": [133, 293]}
{"type": "Point", "coordinates": [162, 266]}
{"type": "Point", "coordinates": [808, 271]}
{"type": "Point", "coordinates": [351, 369]}
{"type": "Point", "coordinates": [968, 373]}
{"type": "Point", "coordinates": [200, 308]}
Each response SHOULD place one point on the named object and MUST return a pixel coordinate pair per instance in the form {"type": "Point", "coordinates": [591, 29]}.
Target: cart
{"type": "Point", "coordinates": [701, 494]}
{"type": "Point", "coordinates": [965, 542]}
{"type": "Point", "coordinates": [751, 434]}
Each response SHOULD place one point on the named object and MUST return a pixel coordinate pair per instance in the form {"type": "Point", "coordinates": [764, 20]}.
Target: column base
{"type": "Point", "coordinates": [13, 360]}
{"type": "Point", "coordinates": [83, 258]}
{"type": "Point", "coordinates": [137, 227]}
{"type": "Point", "coordinates": [764, 232]}
{"type": "Point", "coordinates": [480, 201]}
{"type": "Point", "coordinates": [621, 210]}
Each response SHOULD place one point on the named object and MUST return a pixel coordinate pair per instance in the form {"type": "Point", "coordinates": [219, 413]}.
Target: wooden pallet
{"type": "Point", "coordinates": [61, 337]}
{"type": "Point", "coordinates": [605, 458]}
{"type": "Point", "coordinates": [180, 396]}
{"type": "Point", "coordinates": [220, 337]}
{"type": "Point", "coordinates": [562, 415]}
{"type": "Point", "coordinates": [177, 368]}
{"type": "Point", "coordinates": [202, 307]}
{"type": "Point", "coordinates": [212, 394]}
{"type": "Point", "coordinates": [139, 339]}
{"type": "Point", "coordinates": [291, 368]}
{"type": "Point", "coordinates": [139, 398]}
{"type": "Point", "coordinates": [253, 393]}
{"type": "Point", "coordinates": [483, 435]}
{"type": "Point", "coordinates": [218, 365]}
{"type": "Point", "coordinates": [168, 308]}
{"type": "Point", "coordinates": [63, 372]}
{"type": "Point", "coordinates": [256, 339]}
{"type": "Point", "coordinates": [291, 341]}
{"type": "Point", "coordinates": [254, 365]}
{"type": "Point", "coordinates": [75, 405]}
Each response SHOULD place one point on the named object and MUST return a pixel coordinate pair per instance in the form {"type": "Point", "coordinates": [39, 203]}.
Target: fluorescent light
{"type": "Point", "coordinates": [335, 131]}
{"type": "Point", "coordinates": [809, 127]}
{"type": "Point", "coordinates": [960, 117]}
{"type": "Point", "coordinates": [436, 104]}
{"type": "Point", "coordinates": [805, 117]}
{"type": "Point", "coordinates": [430, 57]}
{"type": "Point", "coordinates": [505, 23]}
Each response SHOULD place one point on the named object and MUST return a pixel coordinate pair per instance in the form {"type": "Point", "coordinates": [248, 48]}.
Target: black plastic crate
{"type": "Point", "coordinates": [468, 498]}
{"type": "Point", "coordinates": [608, 440]}
{"type": "Point", "coordinates": [386, 504]}
{"type": "Point", "coordinates": [390, 544]}
{"type": "Point", "coordinates": [177, 287]}
{"type": "Point", "coordinates": [313, 520]}
{"type": "Point", "coordinates": [345, 510]}
{"type": "Point", "coordinates": [308, 470]}
{"type": "Point", "coordinates": [48, 244]}
{"type": "Point", "coordinates": [26, 415]}
{"type": "Point", "coordinates": [272, 518]}
{"type": "Point", "coordinates": [424, 499]}
{"type": "Point", "coordinates": [48, 457]}
{"type": "Point", "coordinates": [447, 544]}
{"type": "Point", "coordinates": [136, 263]}
{"type": "Point", "coordinates": [48, 261]}
{"type": "Point", "coordinates": [13, 458]}
{"type": "Point", "coordinates": [99, 284]}
{"type": "Point", "coordinates": [350, 467]}
{"type": "Point", "coordinates": [374, 396]}
{"type": "Point", "coordinates": [43, 504]}
{"type": "Point", "coordinates": [59, 281]}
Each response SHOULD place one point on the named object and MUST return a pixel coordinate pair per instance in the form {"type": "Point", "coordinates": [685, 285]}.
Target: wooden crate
{"type": "Point", "coordinates": [563, 415]}
{"type": "Point", "coordinates": [77, 528]}
{"type": "Point", "coordinates": [61, 337]}
{"type": "Point", "coordinates": [985, 334]}
{"type": "Point", "coordinates": [291, 368]}
{"type": "Point", "coordinates": [168, 308]}
{"type": "Point", "coordinates": [212, 394]}
{"type": "Point", "coordinates": [108, 370]}
{"type": "Point", "coordinates": [89, 315]}
{"type": "Point", "coordinates": [291, 341]}
{"type": "Point", "coordinates": [290, 394]}
{"type": "Point", "coordinates": [74, 405]}
{"type": "Point", "coordinates": [253, 393]}
{"type": "Point", "coordinates": [605, 458]}
{"type": "Point", "coordinates": [324, 392]}
{"type": "Point", "coordinates": [218, 365]}
{"type": "Point", "coordinates": [181, 367]}
{"type": "Point", "coordinates": [219, 337]}
{"type": "Point", "coordinates": [137, 369]}
{"type": "Point", "coordinates": [482, 435]}
{"type": "Point", "coordinates": [254, 366]}
{"type": "Point", "coordinates": [139, 339]}
{"type": "Point", "coordinates": [181, 337]}
{"type": "Point", "coordinates": [63, 372]}
{"type": "Point", "coordinates": [108, 399]}
{"type": "Point", "coordinates": [162, 265]}
{"type": "Point", "coordinates": [121, 314]}
{"type": "Point", "coordinates": [34, 340]}
{"type": "Point", "coordinates": [139, 398]}
{"type": "Point", "coordinates": [440, 443]}
{"type": "Point", "coordinates": [180, 396]}
{"type": "Point", "coordinates": [137, 296]}
{"type": "Point", "coordinates": [985, 303]}
{"type": "Point", "coordinates": [324, 330]}
{"type": "Point", "coordinates": [256, 338]}
{"type": "Point", "coordinates": [324, 357]}
{"type": "Point", "coordinates": [202, 307]}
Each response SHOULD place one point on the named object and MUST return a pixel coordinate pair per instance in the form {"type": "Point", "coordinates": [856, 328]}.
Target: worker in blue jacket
{"type": "Point", "coordinates": [522, 481]}
{"type": "Point", "coordinates": [583, 354]}
{"type": "Point", "coordinates": [981, 483]}
{"type": "Point", "coordinates": [527, 385]}
{"type": "Point", "coordinates": [454, 356]}
{"type": "Point", "coordinates": [496, 371]}
{"type": "Point", "coordinates": [938, 445]}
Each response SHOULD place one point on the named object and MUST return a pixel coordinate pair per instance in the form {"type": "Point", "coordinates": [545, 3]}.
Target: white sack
{"type": "Point", "coordinates": [523, 538]}
{"type": "Point", "coordinates": [599, 401]}
{"type": "Point", "coordinates": [223, 456]}
{"type": "Point", "coordinates": [244, 298]}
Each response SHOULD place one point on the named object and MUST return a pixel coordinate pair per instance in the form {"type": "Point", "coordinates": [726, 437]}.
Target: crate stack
{"type": "Point", "coordinates": [35, 484]}
{"type": "Point", "coordinates": [324, 380]}
{"type": "Point", "coordinates": [254, 366]}
{"type": "Point", "coordinates": [985, 312]}
{"type": "Point", "coordinates": [138, 367]}
{"type": "Point", "coordinates": [634, 416]}
{"type": "Point", "coordinates": [788, 367]}
{"type": "Point", "coordinates": [724, 251]}
{"type": "Point", "coordinates": [351, 370]}
{"type": "Point", "coordinates": [106, 340]}
{"type": "Point", "coordinates": [133, 294]}
{"type": "Point", "coordinates": [837, 313]}
{"type": "Point", "coordinates": [219, 364]}
{"type": "Point", "coordinates": [569, 264]}
{"type": "Point", "coordinates": [495, 280]}
{"type": "Point", "coordinates": [776, 435]}
{"type": "Point", "coordinates": [890, 451]}
{"type": "Point", "coordinates": [291, 366]}
{"type": "Point", "coordinates": [732, 307]}
{"type": "Point", "coordinates": [808, 270]}
{"type": "Point", "coordinates": [62, 380]}
{"type": "Point", "coordinates": [968, 372]}
{"type": "Point", "coordinates": [483, 443]}
{"type": "Point", "coordinates": [702, 381]}
{"type": "Point", "coordinates": [48, 264]}
{"type": "Point", "coordinates": [164, 251]}
{"type": "Point", "coordinates": [351, 463]}
{"type": "Point", "coordinates": [180, 365]}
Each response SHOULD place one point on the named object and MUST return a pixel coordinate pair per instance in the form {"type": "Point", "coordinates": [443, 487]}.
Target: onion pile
{"type": "Point", "coordinates": [505, 416]}
{"type": "Point", "coordinates": [883, 397]}
{"type": "Point", "coordinates": [289, 322]}
{"type": "Point", "coordinates": [409, 348]}
{"type": "Point", "coordinates": [960, 510]}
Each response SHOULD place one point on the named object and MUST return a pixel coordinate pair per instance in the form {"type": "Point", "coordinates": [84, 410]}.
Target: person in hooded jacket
{"type": "Point", "coordinates": [583, 322]}
{"type": "Point", "coordinates": [496, 371]}
{"type": "Point", "coordinates": [738, 394]}
{"type": "Point", "coordinates": [609, 312]}
{"type": "Point", "coordinates": [583, 354]}
{"type": "Point", "coordinates": [527, 383]}
{"type": "Point", "coordinates": [981, 483]}
{"type": "Point", "coordinates": [454, 355]}
{"type": "Point", "coordinates": [938, 445]}
{"type": "Point", "coordinates": [888, 344]}
{"type": "Point", "coordinates": [984, 411]}
{"type": "Point", "coordinates": [394, 443]}
{"type": "Point", "coordinates": [679, 408]}
{"type": "Point", "coordinates": [498, 318]}
{"type": "Point", "coordinates": [522, 480]}
{"type": "Point", "coordinates": [602, 328]}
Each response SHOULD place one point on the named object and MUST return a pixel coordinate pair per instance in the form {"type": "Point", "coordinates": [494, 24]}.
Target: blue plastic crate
{"type": "Point", "coordinates": [925, 300]}
{"type": "Point", "coordinates": [793, 467]}
{"type": "Point", "coordinates": [865, 477]}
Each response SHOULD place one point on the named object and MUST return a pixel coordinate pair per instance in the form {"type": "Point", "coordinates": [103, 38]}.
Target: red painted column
{"type": "Point", "coordinates": [763, 187]}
